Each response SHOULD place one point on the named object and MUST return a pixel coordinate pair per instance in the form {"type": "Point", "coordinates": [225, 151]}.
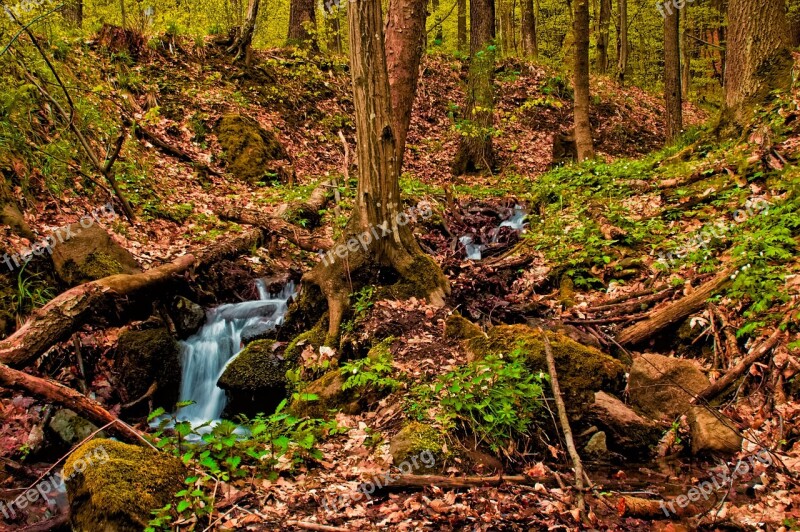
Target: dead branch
{"type": "Point", "coordinates": [405, 482]}
{"type": "Point", "coordinates": [143, 133]}
{"type": "Point", "coordinates": [299, 237]}
{"type": "Point", "coordinates": [305, 525]}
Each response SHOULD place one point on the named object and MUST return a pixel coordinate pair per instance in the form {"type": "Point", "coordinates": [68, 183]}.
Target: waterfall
{"type": "Point", "coordinates": [474, 251]}
{"type": "Point", "coordinates": [206, 354]}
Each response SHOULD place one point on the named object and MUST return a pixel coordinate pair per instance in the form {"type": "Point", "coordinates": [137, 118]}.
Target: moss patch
{"type": "Point", "coordinates": [414, 439]}
{"type": "Point", "coordinates": [249, 148]}
{"type": "Point", "coordinates": [90, 254]}
{"type": "Point", "coordinates": [330, 397]}
{"type": "Point", "coordinates": [458, 327]}
{"type": "Point", "coordinates": [119, 485]}
{"type": "Point", "coordinates": [150, 356]}
{"type": "Point", "coordinates": [582, 370]}
{"type": "Point", "coordinates": [316, 337]}
{"type": "Point", "coordinates": [255, 380]}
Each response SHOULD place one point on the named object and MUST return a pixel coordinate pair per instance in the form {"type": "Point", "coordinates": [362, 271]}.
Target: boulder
{"type": "Point", "coordinates": [412, 441]}
{"type": "Point", "coordinates": [712, 432]}
{"type": "Point", "coordinates": [147, 357]}
{"type": "Point", "coordinates": [596, 446]}
{"type": "Point", "coordinates": [89, 253]}
{"type": "Point", "coordinates": [11, 216]}
{"type": "Point", "coordinates": [460, 328]}
{"type": "Point", "coordinates": [629, 433]}
{"type": "Point", "coordinates": [113, 486]}
{"type": "Point", "coordinates": [255, 381]}
{"type": "Point", "coordinates": [250, 151]}
{"type": "Point", "coordinates": [188, 316]}
{"type": "Point", "coordinates": [662, 387]}
{"type": "Point", "coordinates": [71, 428]}
{"type": "Point", "coordinates": [582, 370]}
{"type": "Point", "coordinates": [325, 396]}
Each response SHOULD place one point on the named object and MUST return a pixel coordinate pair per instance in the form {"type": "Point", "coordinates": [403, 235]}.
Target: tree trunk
{"type": "Point", "coordinates": [672, 74]}
{"type": "Point", "coordinates": [241, 46]}
{"type": "Point", "coordinates": [405, 44]}
{"type": "Point", "coordinates": [583, 127]}
{"type": "Point", "coordinates": [123, 13]}
{"type": "Point", "coordinates": [603, 23]}
{"type": "Point", "coordinates": [302, 15]}
{"type": "Point", "coordinates": [377, 233]}
{"type": "Point", "coordinates": [506, 34]}
{"type": "Point", "coordinates": [438, 36]}
{"type": "Point", "coordinates": [624, 44]}
{"type": "Point", "coordinates": [529, 45]}
{"type": "Point", "coordinates": [475, 151]}
{"type": "Point", "coordinates": [686, 58]}
{"type": "Point", "coordinates": [462, 26]}
{"type": "Point", "coordinates": [334, 30]}
{"type": "Point", "coordinates": [73, 13]}
{"type": "Point", "coordinates": [759, 58]}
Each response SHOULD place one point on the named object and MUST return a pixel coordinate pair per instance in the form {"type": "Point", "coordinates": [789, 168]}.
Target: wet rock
{"type": "Point", "coordinates": [248, 309]}
{"type": "Point", "coordinates": [147, 357]}
{"type": "Point", "coordinates": [412, 441]}
{"type": "Point", "coordinates": [662, 387]}
{"type": "Point", "coordinates": [712, 432]}
{"type": "Point", "coordinates": [112, 486]}
{"type": "Point", "coordinates": [257, 331]}
{"type": "Point", "coordinates": [628, 432]}
{"type": "Point", "coordinates": [250, 151]}
{"type": "Point", "coordinates": [596, 446]}
{"type": "Point", "coordinates": [187, 316]}
{"type": "Point", "coordinates": [71, 428]}
{"type": "Point", "coordinates": [88, 254]}
{"type": "Point", "coordinates": [255, 381]}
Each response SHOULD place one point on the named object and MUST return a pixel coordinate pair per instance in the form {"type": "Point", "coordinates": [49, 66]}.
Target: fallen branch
{"type": "Point", "coordinates": [674, 312]}
{"type": "Point", "coordinates": [628, 506]}
{"type": "Point", "coordinates": [143, 133]}
{"type": "Point", "coordinates": [404, 482]}
{"type": "Point", "coordinates": [299, 237]}
{"type": "Point", "coordinates": [305, 525]}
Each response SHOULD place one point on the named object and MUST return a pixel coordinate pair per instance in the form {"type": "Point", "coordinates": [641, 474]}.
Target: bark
{"type": "Point", "coordinates": [73, 13]}
{"type": "Point", "coordinates": [506, 33]}
{"type": "Point", "coordinates": [437, 17]}
{"type": "Point", "coordinates": [603, 23]}
{"type": "Point", "coordinates": [405, 43]}
{"type": "Point", "coordinates": [377, 207]}
{"type": "Point", "coordinates": [333, 28]}
{"type": "Point", "coordinates": [672, 74]}
{"type": "Point", "coordinates": [686, 57]}
{"type": "Point", "coordinates": [475, 151]}
{"type": "Point", "coordinates": [294, 234]}
{"type": "Point", "coordinates": [623, 44]}
{"type": "Point", "coordinates": [241, 46]}
{"type": "Point", "coordinates": [583, 127]}
{"type": "Point", "coordinates": [674, 312]}
{"type": "Point", "coordinates": [462, 26]}
{"type": "Point", "coordinates": [529, 45]}
{"type": "Point", "coordinates": [302, 15]}
{"type": "Point", "coordinates": [759, 58]}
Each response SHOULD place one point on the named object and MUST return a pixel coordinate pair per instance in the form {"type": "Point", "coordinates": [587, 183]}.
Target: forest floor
{"type": "Point", "coordinates": [593, 239]}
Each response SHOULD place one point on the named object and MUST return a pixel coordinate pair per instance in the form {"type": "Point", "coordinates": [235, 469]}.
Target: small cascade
{"type": "Point", "coordinates": [516, 222]}
{"type": "Point", "coordinates": [207, 353]}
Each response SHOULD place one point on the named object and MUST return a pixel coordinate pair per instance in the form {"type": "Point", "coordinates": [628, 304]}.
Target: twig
{"type": "Point", "coordinates": [305, 525]}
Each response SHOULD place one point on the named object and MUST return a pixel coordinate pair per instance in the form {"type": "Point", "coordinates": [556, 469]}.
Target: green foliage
{"type": "Point", "coordinates": [363, 300]}
{"type": "Point", "coordinates": [373, 372]}
{"type": "Point", "coordinates": [31, 292]}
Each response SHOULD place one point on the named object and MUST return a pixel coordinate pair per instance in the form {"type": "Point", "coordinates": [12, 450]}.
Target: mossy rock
{"type": "Point", "coordinates": [316, 338]}
{"type": "Point", "coordinates": [255, 381]}
{"type": "Point", "coordinates": [248, 148]}
{"type": "Point", "coordinates": [90, 254]}
{"type": "Point", "coordinates": [330, 397]}
{"type": "Point", "coordinates": [113, 486]}
{"type": "Point", "coordinates": [582, 370]}
{"type": "Point", "coordinates": [150, 356]}
{"type": "Point", "coordinates": [458, 327]}
{"type": "Point", "coordinates": [187, 315]}
{"type": "Point", "coordinates": [71, 428]}
{"type": "Point", "coordinates": [415, 439]}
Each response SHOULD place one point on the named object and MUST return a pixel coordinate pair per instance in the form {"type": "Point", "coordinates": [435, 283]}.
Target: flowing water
{"type": "Point", "coordinates": [207, 353]}
{"type": "Point", "coordinates": [474, 251]}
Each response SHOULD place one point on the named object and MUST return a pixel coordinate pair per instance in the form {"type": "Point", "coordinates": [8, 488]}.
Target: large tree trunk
{"type": "Point", "coordinates": [759, 58]}
{"type": "Point", "coordinates": [241, 46]}
{"type": "Point", "coordinates": [603, 24]}
{"type": "Point", "coordinates": [506, 33]}
{"type": "Point", "coordinates": [438, 36]}
{"type": "Point", "coordinates": [377, 233]}
{"type": "Point", "coordinates": [686, 57]}
{"type": "Point", "coordinates": [302, 14]}
{"type": "Point", "coordinates": [672, 74]}
{"type": "Point", "coordinates": [623, 45]}
{"type": "Point", "coordinates": [405, 43]}
{"type": "Point", "coordinates": [583, 127]}
{"type": "Point", "coordinates": [475, 151]}
{"type": "Point", "coordinates": [462, 26]}
{"type": "Point", "coordinates": [529, 45]}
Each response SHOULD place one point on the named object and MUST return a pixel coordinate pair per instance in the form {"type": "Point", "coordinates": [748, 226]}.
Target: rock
{"type": "Point", "coordinates": [629, 432]}
{"type": "Point", "coordinates": [330, 397]}
{"type": "Point", "coordinates": [112, 486]}
{"type": "Point", "coordinates": [596, 446]}
{"type": "Point", "coordinates": [88, 254]}
{"type": "Point", "coordinates": [413, 440]}
{"type": "Point", "coordinates": [249, 149]}
{"type": "Point", "coordinates": [712, 433]}
{"type": "Point", "coordinates": [145, 357]}
{"type": "Point", "coordinates": [257, 331]}
{"type": "Point", "coordinates": [662, 387]}
{"type": "Point", "coordinates": [460, 328]}
{"type": "Point", "coordinates": [188, 316]}
{"type": "Point", "coordinates": [582, 370]}
{"type": "Point", "coordinates": [11, 216]}
{"type": "Point", "coordinates": [255, 381]}
{"type": "Point", "coordinates": [71, 428]}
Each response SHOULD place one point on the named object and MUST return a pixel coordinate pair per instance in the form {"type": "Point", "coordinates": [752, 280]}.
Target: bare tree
{"type": "Point", "coordinates": [241, 45]}
{"type": "Point", "coordinates": [583, 127]}
{"type": "Point", "coordinates": [672, 73]}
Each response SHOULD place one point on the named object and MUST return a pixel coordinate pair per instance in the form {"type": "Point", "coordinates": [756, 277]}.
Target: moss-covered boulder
{"type": "Point", "coordinates": [147, 357]}
{"type": "Point", "coordinates": [582, 370]}
{"type": "Point", "coordinates": [249, 150]}
{"type": "Point", "coordinates": [255, 381]}
{"type": "Point", "coordinates": [112, 486]}
{"type": "Point", "coordinates": [89, 253]}
{"type": "Point", "coordinates": [458, 327]}
{"type": "Point", "coordinates": [414, 444]}
{"type": "Point", "coordinates": [324, 396]}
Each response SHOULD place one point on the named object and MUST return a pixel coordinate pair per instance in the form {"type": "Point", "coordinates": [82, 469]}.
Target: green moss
{"type": "Point", "coordinates": [330, 397]}
{"type": "Point", "coordinates": [316, 337]}
{"type": "Point", "coordinates": [144, 357]}
{"type": "Point", "coordinates": [119, 486]}
{"type": "Point", "coordinates": [582, 370]}
{"type": "Point", "coordinates": [257, 368]}
{"type": "Point", "coordinates": [460, 328]}
{"type": "Point", "coordinates": [99, 265]}
{"type": "Point", "coordinates": [248, 147]}
{"type": "Point", "coordinates": [414, 439]}
{"type": "Point", "coordinates": [423, 277]}
{"type": "Point", "coordinates": [381, 350]}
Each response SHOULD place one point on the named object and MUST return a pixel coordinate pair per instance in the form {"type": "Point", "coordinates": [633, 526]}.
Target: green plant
{"type": "Point", "coordinates": [30, 293]}
{"type": "Point", "coordinates": [373, 372]}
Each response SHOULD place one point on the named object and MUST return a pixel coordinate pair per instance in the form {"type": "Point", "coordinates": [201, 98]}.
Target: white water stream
{"type": "Point", "coordinates": [474, 251]}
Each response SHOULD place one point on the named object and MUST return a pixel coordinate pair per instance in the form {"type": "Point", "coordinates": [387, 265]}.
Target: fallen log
{"type": "Point", "coordinates": [404, 482]}
{"type": "Point", "coordinates": [143, 133]}
{"type": "Point", "coordinates": [57, 320]}
{"type": "Point", "coordinates": [674, 312]}
{"type": "Point", "coordinates": [309, 209]}
{"type": "Point", "coordinates": [294, 234]}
